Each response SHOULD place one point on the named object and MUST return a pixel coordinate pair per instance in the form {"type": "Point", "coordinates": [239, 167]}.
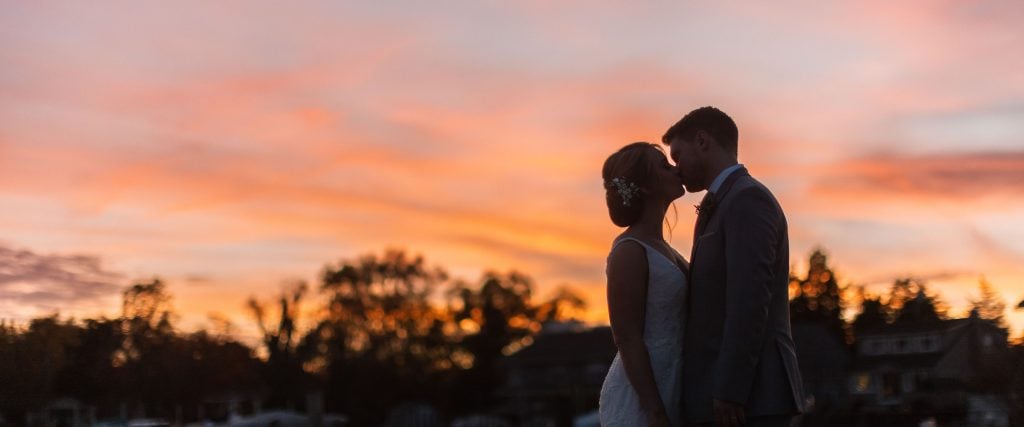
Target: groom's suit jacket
{"type": "Point", "coordinates": [737, 345]}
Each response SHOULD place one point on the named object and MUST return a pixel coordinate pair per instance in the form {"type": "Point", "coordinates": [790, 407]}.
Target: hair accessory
{"type": "Point", "coordinates": [627, 190]}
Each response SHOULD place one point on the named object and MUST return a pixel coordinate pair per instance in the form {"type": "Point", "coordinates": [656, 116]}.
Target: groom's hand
{"type": "Point", "coordinates": [728, 414]}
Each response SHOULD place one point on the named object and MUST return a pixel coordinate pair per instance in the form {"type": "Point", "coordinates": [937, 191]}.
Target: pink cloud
{"type": "Point", "coordinates": [478, 132]}
{"type": "Point", "coordinates": [939, 177]}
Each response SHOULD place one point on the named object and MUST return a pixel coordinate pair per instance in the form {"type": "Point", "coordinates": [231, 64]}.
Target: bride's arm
{"type": "Point", "coordinates": [627, 298]}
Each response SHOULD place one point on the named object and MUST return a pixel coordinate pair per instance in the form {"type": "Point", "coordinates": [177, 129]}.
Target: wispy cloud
{"type": "Point", "coordinates": [35, 284]}
{"type": "Point", "coordinates": [955, 177]}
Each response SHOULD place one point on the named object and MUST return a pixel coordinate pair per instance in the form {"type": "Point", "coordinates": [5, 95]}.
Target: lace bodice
{"type": "Point", "coordinates": [663, 334]}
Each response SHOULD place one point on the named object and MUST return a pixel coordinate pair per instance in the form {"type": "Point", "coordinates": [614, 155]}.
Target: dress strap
{"type": "Point", "coordinates": [648, 249]}
{"type": "Point", "coordinates": [625, 238]}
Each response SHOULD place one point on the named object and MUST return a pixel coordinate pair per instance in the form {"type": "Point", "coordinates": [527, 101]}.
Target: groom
{"type": "Point", "coordinates": [739, 362]}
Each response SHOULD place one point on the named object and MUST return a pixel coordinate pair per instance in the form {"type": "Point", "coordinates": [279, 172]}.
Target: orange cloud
{"type": "Point", "coordinates": [938, 177]}
{"type": "Point", "coordinates": [259, 149]}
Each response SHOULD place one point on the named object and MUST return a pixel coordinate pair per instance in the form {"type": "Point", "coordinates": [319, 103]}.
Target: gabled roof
{"type": "Point", "coordinates": [914, 328]}
{"type": "Point", "coordinates": [899, 361]}
{"type": "Point", "coordinates": [953, 332]}
{"type": "Point", "coordinates": [567, 348]}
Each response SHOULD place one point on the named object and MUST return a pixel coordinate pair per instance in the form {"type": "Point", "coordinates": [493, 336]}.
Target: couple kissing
{"type": "Point", "coordinates": [704, 340]}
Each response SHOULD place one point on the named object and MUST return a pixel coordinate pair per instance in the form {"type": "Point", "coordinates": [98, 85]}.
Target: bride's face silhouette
{"type": "Point", "coordinates": [666, 182]}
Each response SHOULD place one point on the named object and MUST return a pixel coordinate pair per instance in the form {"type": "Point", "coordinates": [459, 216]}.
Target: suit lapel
{"type": "Point", "coordinates": [698, 225]}
{"type": "Point", "coordinates": [704, 217]}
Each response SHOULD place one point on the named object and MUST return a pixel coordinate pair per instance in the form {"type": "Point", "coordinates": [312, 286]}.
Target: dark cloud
{"type": "Point", "coordinates": [53, 282]}
{"type": "Point", "coordinates": [196, 279]}
{"type": "Point", "coordinates": [959, 175]}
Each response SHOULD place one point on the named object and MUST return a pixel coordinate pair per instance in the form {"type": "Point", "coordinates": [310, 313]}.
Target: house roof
{"type": "Point", "coordinates": [914, 327]}
{"type": "Point", "coordinates": [567, 348]}
{"type": "Point", "coordinates": [952, 330]}
{"type": "Point", "coordinates": [899, 361]}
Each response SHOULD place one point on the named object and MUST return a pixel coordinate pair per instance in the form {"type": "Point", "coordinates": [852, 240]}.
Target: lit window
{"type": "Point", "coordinates": [862, 383]}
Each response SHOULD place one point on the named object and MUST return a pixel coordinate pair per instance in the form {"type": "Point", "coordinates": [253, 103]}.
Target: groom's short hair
{"type": "Point", "coordinates": [708, 119]}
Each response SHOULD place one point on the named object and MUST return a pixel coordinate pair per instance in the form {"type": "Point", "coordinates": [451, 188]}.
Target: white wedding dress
{"type": "Point", "coordinates": [663, 334]}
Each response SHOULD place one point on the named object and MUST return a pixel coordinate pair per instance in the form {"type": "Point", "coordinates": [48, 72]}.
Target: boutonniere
{"type": "Point", "coordinates": [706, 206]}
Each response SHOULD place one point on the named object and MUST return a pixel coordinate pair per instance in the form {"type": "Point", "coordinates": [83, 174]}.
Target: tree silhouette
{"type": "Point", "coordinates": [151, 354]}
{"type": "Point", "coordinates": [911, 303]}
{"type": "Point", "coordinates": [392, 330]}
{"type": "Point", "coordinates": [148, 302]}
{"type": "Point", "coordinates": [31, 362]}
{"type": "Point", "coordinates": [145, 316]}
{"type": "Point", "coordinates": [565, 304]}
{"type": "Point", "coordinates": [382, 340]}
{"type": "Point", "coordinates": [495, 318]}
{"type": "Point", "coordinates": [95, 373]}
{"type": "Point", "coordinates": [398, 330]}
{"type": "Point", "coordinates": [817, 298]}
{"type": "Point", "coordinates": [873, 314]}
{"type": "Point", "coordinates": [283, 369]}
{"type": "Point", "coordinates": [220, 366]}
{"type": "Point", "coordinates": [908, 302]}
{"type": "Point", "coordinates": [383, 308]}
{"type": "Point", "coordinates": [989, 304]}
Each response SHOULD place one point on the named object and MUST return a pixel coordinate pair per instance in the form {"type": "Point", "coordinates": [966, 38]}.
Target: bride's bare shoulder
{"type": "Point", "coordinates": [627, 258]}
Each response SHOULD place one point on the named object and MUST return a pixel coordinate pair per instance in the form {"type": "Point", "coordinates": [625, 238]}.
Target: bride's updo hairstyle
{"type": "Point", "coordinates": [628, 173]}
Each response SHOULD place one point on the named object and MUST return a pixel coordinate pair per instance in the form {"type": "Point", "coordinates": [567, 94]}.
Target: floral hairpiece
{"type": "Point", "coordinates": [627, 190]}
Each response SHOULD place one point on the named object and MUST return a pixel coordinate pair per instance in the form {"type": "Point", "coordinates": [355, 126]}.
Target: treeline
{"type": "Point", "coordinates": [819, 297]}
{"type": "Point", "coordinates": [387, 329]}
{"type": "Point", "coordinates": [392, 329]}
{"type": "Point", "coordinates": [137, 361]}
{"type": "Point", "coordinates": [818, 300]}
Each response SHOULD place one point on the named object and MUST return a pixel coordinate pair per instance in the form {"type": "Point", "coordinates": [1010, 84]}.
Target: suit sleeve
{"type": "Point", "coordinates": [751, 228]}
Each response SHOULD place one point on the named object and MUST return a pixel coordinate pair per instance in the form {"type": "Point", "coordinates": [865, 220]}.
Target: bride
{"type": "Point", "coordinates": [646, 292]}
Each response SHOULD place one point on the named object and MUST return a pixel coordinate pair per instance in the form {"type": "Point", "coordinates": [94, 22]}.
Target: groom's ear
{"type": "Point", "coordinates": [703, 140]}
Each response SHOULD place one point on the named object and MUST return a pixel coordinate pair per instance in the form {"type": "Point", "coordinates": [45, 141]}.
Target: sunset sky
{"type": "Point", "coordinates": [231, 148]}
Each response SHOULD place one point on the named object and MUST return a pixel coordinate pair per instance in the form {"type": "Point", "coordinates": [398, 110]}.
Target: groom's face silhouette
{"type": "Point", "coordinates": [689, 153]}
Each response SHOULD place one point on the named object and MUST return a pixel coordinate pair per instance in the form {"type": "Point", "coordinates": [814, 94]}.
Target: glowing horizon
{"type": "Point", "coordinates": [232, 148]}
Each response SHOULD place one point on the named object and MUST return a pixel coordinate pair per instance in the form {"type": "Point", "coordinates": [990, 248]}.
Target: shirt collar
{"type": "Point", "coordinates": [722, 176]}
